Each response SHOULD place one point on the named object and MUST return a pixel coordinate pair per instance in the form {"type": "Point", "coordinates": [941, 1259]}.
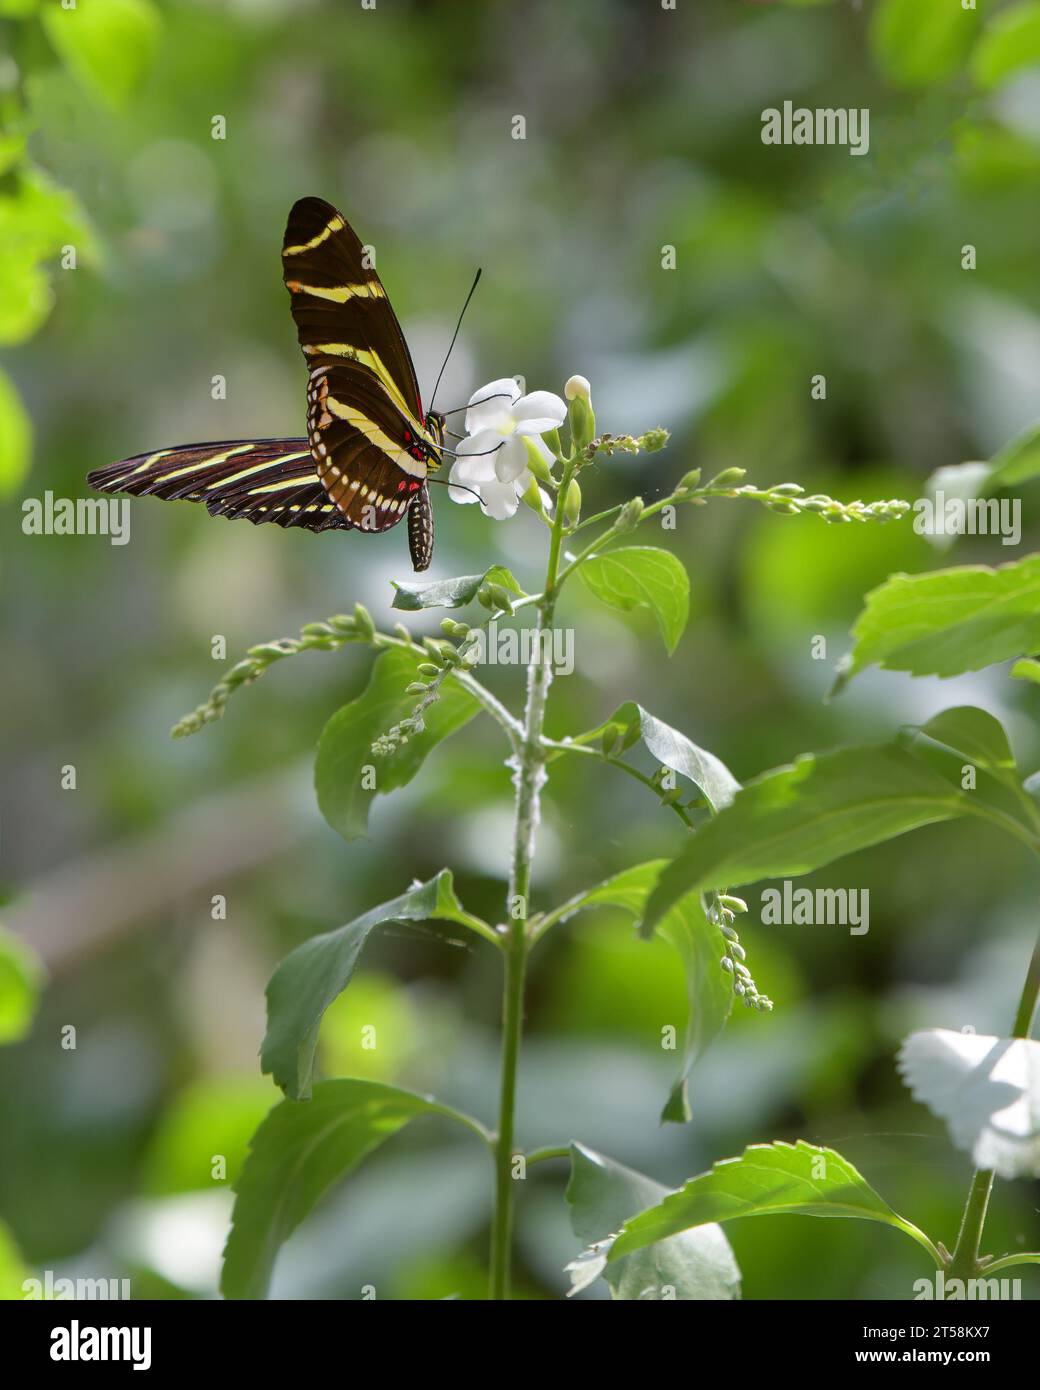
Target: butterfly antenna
{"type": "Point", "coordinates": [495, 396]}
{"type": "Point", "coordinates": [436, 388]}
{"type": "Point", "coordinates": [461, 487]}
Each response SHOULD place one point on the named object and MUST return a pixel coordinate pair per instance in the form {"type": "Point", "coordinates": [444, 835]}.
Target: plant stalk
{"type": "Point", "coordinates": [964, 1263]}
{"type": "Point", "coordinates": [529, 777]}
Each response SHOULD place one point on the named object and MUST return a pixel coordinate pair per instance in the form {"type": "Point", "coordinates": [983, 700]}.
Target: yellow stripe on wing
{"type": "Point", "coordinates": [374, 363]}
{"type": "Point", "coordinates": [334, 224]}
{"type": "Point", "coordinates": [207, 462]}
{"type": "Point", "coordinates": [339, 294]}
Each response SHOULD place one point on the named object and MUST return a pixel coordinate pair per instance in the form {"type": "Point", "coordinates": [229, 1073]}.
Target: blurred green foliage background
{"type": "Point", "coordinates": [642, 132]}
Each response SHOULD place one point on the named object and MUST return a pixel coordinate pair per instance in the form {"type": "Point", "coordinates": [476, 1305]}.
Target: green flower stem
{"type": "Point", "coordinates": [786, 498]}
{"type": "Point", "coordinates": [964, 1262]}
{"type": "Point", "coordinates": [330, 636]}
{"type": "Point", "coordinates": [529, 777]}
{"type": "Point", "coordinates": [1028, 1257]}
{"type": "Point", "coordinates": [543, 1155]}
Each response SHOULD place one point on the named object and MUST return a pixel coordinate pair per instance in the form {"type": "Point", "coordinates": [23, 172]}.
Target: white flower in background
{"type": "Point", "coordinates": [492, 460]}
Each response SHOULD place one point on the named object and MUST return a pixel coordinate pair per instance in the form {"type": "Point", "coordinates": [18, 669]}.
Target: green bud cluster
{"type": "Point", "coordinates": [609, 444]}
{"type": "Point", "coordinates": [722, 911]}
{"type": "Point", "coordinates": [444, 658]}
{"type": "Point", "coordinates": [326, 637]}
{"type": "Point", "coordinates": [495, 598]}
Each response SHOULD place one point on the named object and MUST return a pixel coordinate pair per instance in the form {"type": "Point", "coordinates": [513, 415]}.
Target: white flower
{"type": "Point", "coordinates": [578, 386]}
{"type": "Point", "coordinates": [492, 460]}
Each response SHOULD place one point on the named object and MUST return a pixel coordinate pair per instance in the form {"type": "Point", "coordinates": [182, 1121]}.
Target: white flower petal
{"type": "Point", "coordinates": [987, 1089]}
{"type": "Point", "coordinates": [539, 411]}
{"type": "Point", "coordinates": [458, 494]}
{"type": "Point", "coordinates": [500, 499]}
{"type": "Point", "coordinates": [492, 405]}
{"type": "Point", "coordinates": [510, 459]}
{"type": "Point", "coordinates": [476, 455]}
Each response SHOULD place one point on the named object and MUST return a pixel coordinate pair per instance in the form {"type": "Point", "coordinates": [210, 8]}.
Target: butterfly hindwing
{"type": "Point", "coordinates": [261, 480]}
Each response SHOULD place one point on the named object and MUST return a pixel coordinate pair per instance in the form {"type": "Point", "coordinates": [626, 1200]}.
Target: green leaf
{"type": "Point", "coordinates": [628, 890]}
{"type": "Point", "coordinates": [917, 42]}
{"type": "Point", "coordinates": [602, 1194]}
{"type": "Point", "coordinates": [310, 978]}
{"type": "Point", "coordinates": [1018, 460]}
{"type": "Point", "coordinates": [767, 1179]}
{"type": "Point", "coordinates": [973, 732]}
{"type": "Point", "coordinates": [13, 1269]}
{"type": "Point", "coordinates": [709, 991]}
{"type": "Point", "coordinates": [1028, 669]}
{"type": "Point", "coordinates": [949, 622]}
{"type": "Point", "coordinates": [106, 45]}
{"type": "Point", "coordinates": [451, 593]}
{"type": "Point", "coordinates": [296, 1155]}
{"type": "Point", "coordinates": [15, 438]}
{"type": "Point", "coordinates": [631, 722]}
{"type": "Point", "coordinates": [800, 817]}
{"type": "Point", "coordinates": [345, 789]}
{"type": "Point", "coordinates": [699, 944]}
{"type": "Point", "coordinates": [12, 149]}
{"type": "Point", "coordinates": [640, 576]}
{"type": "Point", "coordinates": [21, 979]}
{"type": "Point", "coordinates": [1009, 43]}
{"type": "Point", "coordinates": [36, 220]}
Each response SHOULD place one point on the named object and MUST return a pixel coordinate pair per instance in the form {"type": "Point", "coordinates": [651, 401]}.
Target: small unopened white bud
{"type": "Point", "coordinates": [578, 386]}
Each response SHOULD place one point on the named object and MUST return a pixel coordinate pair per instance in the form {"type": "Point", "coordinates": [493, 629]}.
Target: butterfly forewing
{"type": "Point", "coordinates": [341, 310]}
{"type": "Point", "coordinates": [365, 421]}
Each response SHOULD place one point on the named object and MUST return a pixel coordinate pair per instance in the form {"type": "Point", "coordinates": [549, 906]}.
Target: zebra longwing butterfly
{"type": "Point", "coordinates": [369, 445]}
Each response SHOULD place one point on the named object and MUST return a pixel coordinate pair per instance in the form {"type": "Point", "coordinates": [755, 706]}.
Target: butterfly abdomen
{"type": "Point", "coordinates": [420, 530]}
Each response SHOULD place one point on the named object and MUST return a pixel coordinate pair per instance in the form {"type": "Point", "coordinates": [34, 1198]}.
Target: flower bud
{"type": "Point", "coordinates": [653, 440]}
{"type": "Point", "coordinates": [492, 596]}
{"type": "Point", "coordinates": [536, 461]}
{"type": "Point", "coordinates": [533, 497]}
{"type": "Point", "coordinates": [363, 619]}
{"type": "Point", "coordinates": [453, 629]}
{"type": "Point", "coordinates": [629, 515]}
{"type": "Point", "coordinates": [572, 503]}
{"type": "Point", "coordinates": [580, 416]}
{"type": "Point", "coordinates": [727, 477]}
{"type": "Point", "coordinates": [689, 480]}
